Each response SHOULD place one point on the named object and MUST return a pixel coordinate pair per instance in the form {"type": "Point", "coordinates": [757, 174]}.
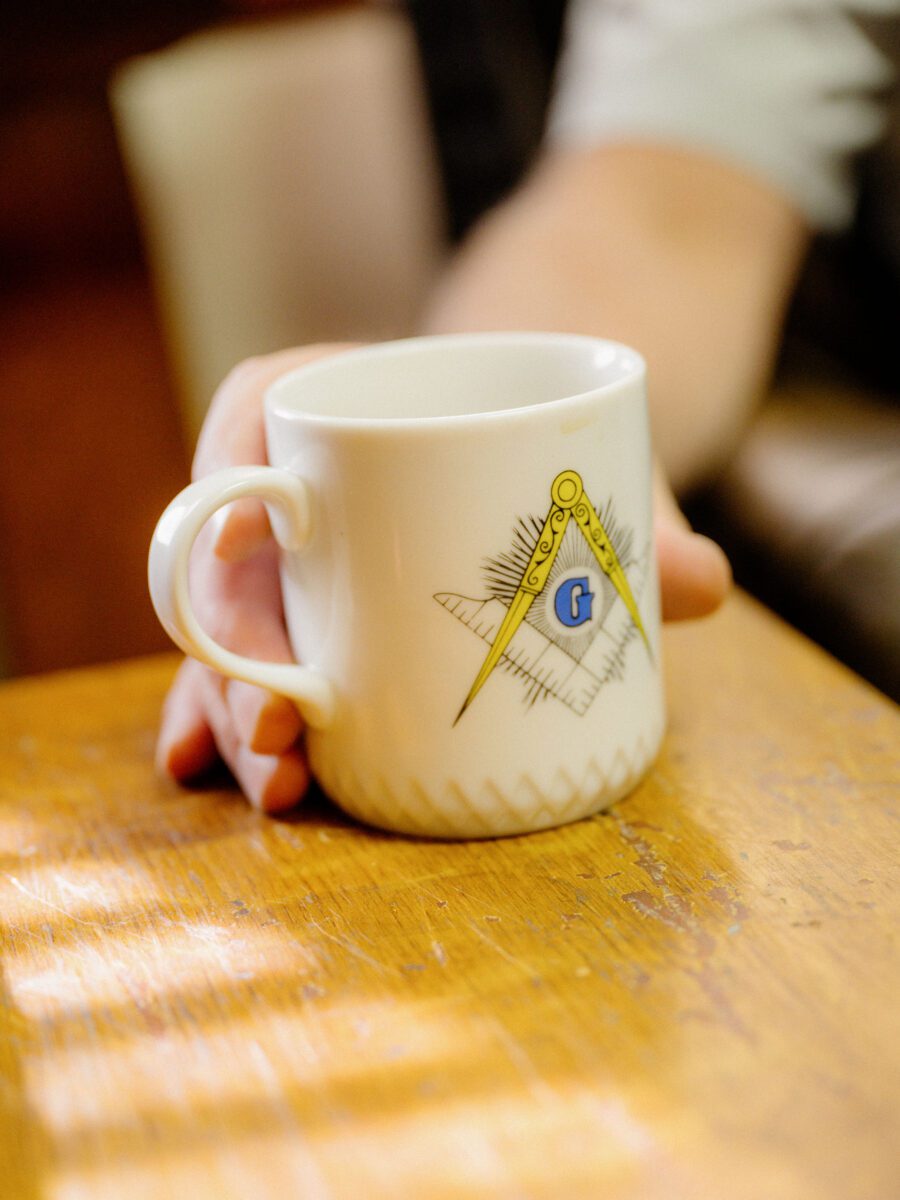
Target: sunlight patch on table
{"type": "Point", "coordinates": [128, 968]}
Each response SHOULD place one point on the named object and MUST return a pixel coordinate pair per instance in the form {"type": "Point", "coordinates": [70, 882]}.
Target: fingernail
{"type": "Point", "coordinates": [266, 723]}
{"type": "Point", "coordinates": [239, 530]}
{"type": "Point", "coordinates": [183, 757]}
{"type": "Point", "coordinates": [271, 783]}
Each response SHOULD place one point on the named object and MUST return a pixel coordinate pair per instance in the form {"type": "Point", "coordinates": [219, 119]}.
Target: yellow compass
{"type": "Point", "coordinates": [568, 500]}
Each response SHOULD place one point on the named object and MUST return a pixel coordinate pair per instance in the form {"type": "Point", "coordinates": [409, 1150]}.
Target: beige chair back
{"type": "Point", "coordinates": [287, 184]}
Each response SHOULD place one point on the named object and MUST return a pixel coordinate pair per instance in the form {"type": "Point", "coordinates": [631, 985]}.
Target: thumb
{"type": "Point", "coordinates": [694, 574]}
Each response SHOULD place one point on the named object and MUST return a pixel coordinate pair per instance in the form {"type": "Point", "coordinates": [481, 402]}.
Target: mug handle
{"type": "Point", "coordinates": [289, 512]}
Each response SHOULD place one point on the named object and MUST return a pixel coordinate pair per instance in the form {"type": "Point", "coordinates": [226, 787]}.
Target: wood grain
{"type": "Point", "coordinates": [694, 995]}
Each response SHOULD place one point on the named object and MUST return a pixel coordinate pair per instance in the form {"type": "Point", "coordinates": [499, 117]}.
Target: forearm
{"type": "Point", "coordinates": [680, 256]}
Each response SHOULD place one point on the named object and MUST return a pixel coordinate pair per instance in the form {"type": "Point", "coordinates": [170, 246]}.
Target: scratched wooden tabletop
{"type": "Point", "coordinates": [692, 996]}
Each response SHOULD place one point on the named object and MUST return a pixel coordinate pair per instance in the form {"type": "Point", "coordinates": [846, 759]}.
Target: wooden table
{"type": "Point", "coordinates": [692, 996]}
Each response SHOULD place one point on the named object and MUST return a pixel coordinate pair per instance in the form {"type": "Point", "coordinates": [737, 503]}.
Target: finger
{"type": "Point", "coordinates": [263, 721]}
{"type": "Point", "coordinates": [233, 430]}
{"type": "Point", "coordinates": [242, 529]}
{"type": "Point", "coordinates": [271, 782]}
{"type": "Point", "coordinates": [233, 433]}
{"type": "Point", "coordinates": [240, 605]}
{"type": "Point", "coordinates": [185, 746]}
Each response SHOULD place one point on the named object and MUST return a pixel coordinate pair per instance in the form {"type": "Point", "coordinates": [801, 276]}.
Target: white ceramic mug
{"type": "Point", "coordinates": [468, 576]}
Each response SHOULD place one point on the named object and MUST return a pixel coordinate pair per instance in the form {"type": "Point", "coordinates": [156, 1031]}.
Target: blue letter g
{"type": "Point", "coordinates": [574, 601]}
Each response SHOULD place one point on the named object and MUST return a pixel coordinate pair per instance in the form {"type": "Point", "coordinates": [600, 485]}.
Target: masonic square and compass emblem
{"type": "Point", "coordinates": [560, 588]}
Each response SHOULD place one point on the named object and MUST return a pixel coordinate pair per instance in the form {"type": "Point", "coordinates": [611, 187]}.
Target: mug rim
{"type": "Point", "coordinates": [277, 406]}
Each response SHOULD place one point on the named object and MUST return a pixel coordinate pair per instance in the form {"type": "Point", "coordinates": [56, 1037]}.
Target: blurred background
{"type": "Point", "coordinates": [153, 232]}
{"type": "Point", "coordinates": [101, 386]}
{"type": "Point", "coordinates": [91, 440]}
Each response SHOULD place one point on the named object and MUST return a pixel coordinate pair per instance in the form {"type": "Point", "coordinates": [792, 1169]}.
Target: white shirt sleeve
{"type": "Point", "coordinates": [787, 89]}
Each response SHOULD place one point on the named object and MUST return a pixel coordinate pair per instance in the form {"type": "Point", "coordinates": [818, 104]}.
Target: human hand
{"type": "Point", "coordinates": [236, 594]}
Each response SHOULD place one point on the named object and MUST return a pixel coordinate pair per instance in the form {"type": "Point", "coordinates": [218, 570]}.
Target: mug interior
{"type": "Point", "coordinates": [452, 377]}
